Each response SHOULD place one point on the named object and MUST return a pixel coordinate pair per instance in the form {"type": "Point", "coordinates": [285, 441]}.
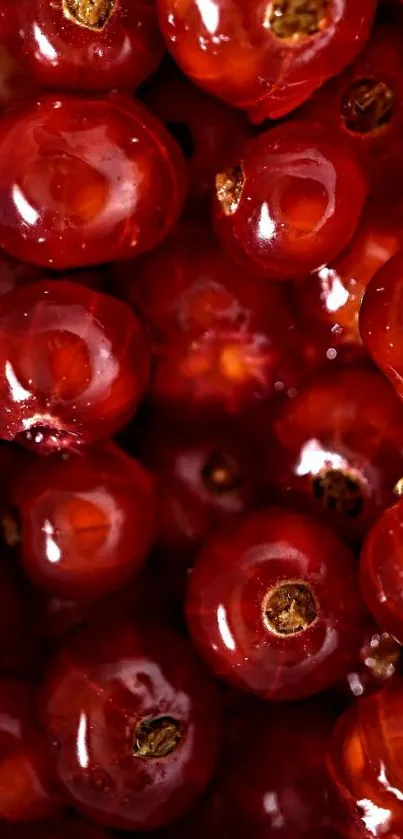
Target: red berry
{"type": "Point", "coordinates": [27, 791]}
{"type": "Point", "coordinates": [336, 449]}
{"type": "Point", "coordinates": [203, 126]}
{"type": "Point", "coordinates": [380, 321]}
{"type": "Point", "coordinates": [381, 571]}
{"type": "Point", "coordinates": [328, 302]}
{"type": "Point", "coordinates": [87, 44]}
{"type": "Point", "coordinates": [14, 81]}
{"type": "Point", "coordinates": [265, 59]}
{"type": "Point", "coordinates": [222, 339]}
{"type": "Point", "coordinates": [289, 201]}
{"type": "Point", "coordinates": [365, 766]}
{"type": "Point", "coordinates": [86, 181]}
{"type": "Point", "coordinates": [273, 605]}
{"type": "Point", "coordinates": [379, 661]}
{"type": "Point", "coordinates": [73, 365]}
{"type": "Point", "coordinates": [132, 718]}
{"type": "Point", "coordinates": [87, 523]}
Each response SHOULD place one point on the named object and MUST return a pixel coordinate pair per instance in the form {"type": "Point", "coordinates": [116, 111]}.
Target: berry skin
{"type": "Point", "coordinates": [145, 716]}
{"type": "Point", "coordinates": [289, 201]}
{"type": "Point", "coordinates": [55, 338]}
{"type": "Point", "coordinates": [380, 321]}
{"type": "Point", "coordinates": [222, 338]}
{"type": "Point", "coordinates": [27, 788]}
{"type": "Point", "coordinates": [266, 60]}
{"type": "Point", "coordinates": [364, 766]}
{"type": "Point", "coordinates": [91, 45]}
{"type": "Point", "coordinates": [264, 598]}
{"type": "Point", "coordinates": [203, 127]}
{"type": "Point", "coordinates": [87, 522]}
{"type": "Point", "coordinates": [381, 571]}
{"type": "Point", "coordinates": [86, 180]}
{"type": "Point", "coordinates": [336, 449]}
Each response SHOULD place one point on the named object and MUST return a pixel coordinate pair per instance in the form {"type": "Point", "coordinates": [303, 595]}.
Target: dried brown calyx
{"type": "Point", "coordinates": [221, 473]}
{"type": "Point", "coordinates": [11, 528]}
{"type": "Point", "coordinates": [340, 491]}
{"type": "Point", "coordinates": [367, 106]}
{"type": "Point", "coordinates": [156, 737]}
{"type": "Point", "coordinates": [229, 186]}
{"type": "Point", "coordinates": [93, 14]}
{"type": "Point", "coordinates": [297, 18]}
{"type": "Point", "coordinates": [289, 608]}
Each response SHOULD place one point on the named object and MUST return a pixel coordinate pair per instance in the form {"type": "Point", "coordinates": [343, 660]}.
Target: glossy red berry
{"type": "Point", "coordinates": [86, 181]}
{"type": "Point", "coordinates": [336, 449]}
{"type": "Point", "coordinates": [264, 59]}
{"type": "Point", "coordinates": [27, 789]}
{"type": "Point", "coordinates": [87, 44]}
{"type": "Point", "coordinates": [221, 338]}
{"type": "Point", "coordinates": [381, 571]}
{"type": "Point", "coordinates": [87, 522]}
{"type": "Point", "coordinates": [132, 719]}
{"type": "Point", "coordinates": [273, 605]}
{"type": "Point", "coordinates": [364, 105]}
{"type": "Point", "coordinates": [73, 365]}
{"type": "Point", "coordinates": [289, 201]}
{"type": "Point", "coordinates": [328, 301]}
{"type": "Point", "coordinates": [380, 322]}
{"type": "Point", "coordinates": [203, 126]}
{"type": "Point", "coordinates": [365, 766]}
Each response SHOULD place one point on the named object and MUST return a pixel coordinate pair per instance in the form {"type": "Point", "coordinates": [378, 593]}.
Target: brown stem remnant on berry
{"type": "Point", "coordinates": [11, 529]}
{"type": "Point", "coordinates": [290, 608]}
{"type": "Point", "coordinates": [156, 737]}
{"type": "Point", "coordinates": [220, 473]}
{"type": "Point", "coordinates": [367, 106]}
{"type": "Point", "coordinates": [297, 18]}
{"type": "Point", "coordinates": [340, 491]}
{"type": "Point", "coordinates": [229, 187]}
{"type": "Point", "coordinates": [93, 14]}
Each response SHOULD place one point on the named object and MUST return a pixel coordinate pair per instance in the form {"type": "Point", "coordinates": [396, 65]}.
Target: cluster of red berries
{"type": "Point", "coordinates": [201, 419]}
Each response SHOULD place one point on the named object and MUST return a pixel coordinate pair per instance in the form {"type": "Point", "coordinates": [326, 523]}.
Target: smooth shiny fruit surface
{"type": "Point", "coordinates": [91, 45]}
{"type": "Point", "coordinates": [73, 365]}
{"type": "Point", "coordinates": [380, 320]}
{"type": "Point", "coordinates": [132, 719]}
{"type": "Point", "coordinates": [86, 180]}
{"type": "Point", "coordinates": [222, 338]}
{"type": "Point", "coordinates": [335, 450]}
{"type": "Point", "coordinates": [273, 605]}
{"type": "Point", "coordinates": [364, 766]}
{"type": "Point", "coordinates": [87, 522]}
{"type": "Point", "coordinates": [381, 571]}
{"type": "Point", "coordinates": [289, 201]}
{"type": "Point", "coordinates": [266, 59]}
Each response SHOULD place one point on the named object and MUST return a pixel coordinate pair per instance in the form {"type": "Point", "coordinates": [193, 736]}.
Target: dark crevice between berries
{"type": "Point", "coordinates": [229, 188]}
{"type": "Point", "coordinates": [339, 491]}
{"type": "Point", "coordinates": [220, 473]}
{"type": "Point", "coordinates": [297, 18]}
{"type": "Point", "coordinates": [290, 608]}
{"type": "Point", "coordinates": [156, 737]}
{"type": "Point", "coordinates": [367, 106]}
{"type": "Point", "coordinates": [182, 134]}
{"type": "Point", "coordinates": [93, 14]}
{"type": "Point", "coordinates": [11, 528]}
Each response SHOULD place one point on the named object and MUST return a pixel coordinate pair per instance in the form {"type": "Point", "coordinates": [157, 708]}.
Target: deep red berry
{"type": "Point", "coordinates": [273, 605]}
{"type": "Point", "coordinates": [336, 448]}
{"type": "Point", "coordinates": [221, 338]}
{"type": "Point", "coordinates": [27, 791]}
{"type": "Point", "coordinates": [87, 44]}
{"type": "Point", "coordinates": [265, 59]}
{"type": "Point", "coordinates": [380, 321]}
{"type": "Point", "coordinates": [364, 105]}
{"type": "Point", "coordinates": [87, 522]}
{"type": "Point", "coordinates": [73, 365]}
{"type": "Point", "coordinates": [203, 126]}
{"type": "Point", "coordinates": [289, 201]}
{"type": "Point", "coordinates": [132, 720]}
{"type": "Point", "coordinates": [14, 81]}
{"type": "Point", "coordinates": [365, 766]}
{"type": "Point", "coordinates": [328, 302]}
{"type": "Point", "coordinates": [86, 181]}
{"type": "Point", "coordinates": [381, 571]}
